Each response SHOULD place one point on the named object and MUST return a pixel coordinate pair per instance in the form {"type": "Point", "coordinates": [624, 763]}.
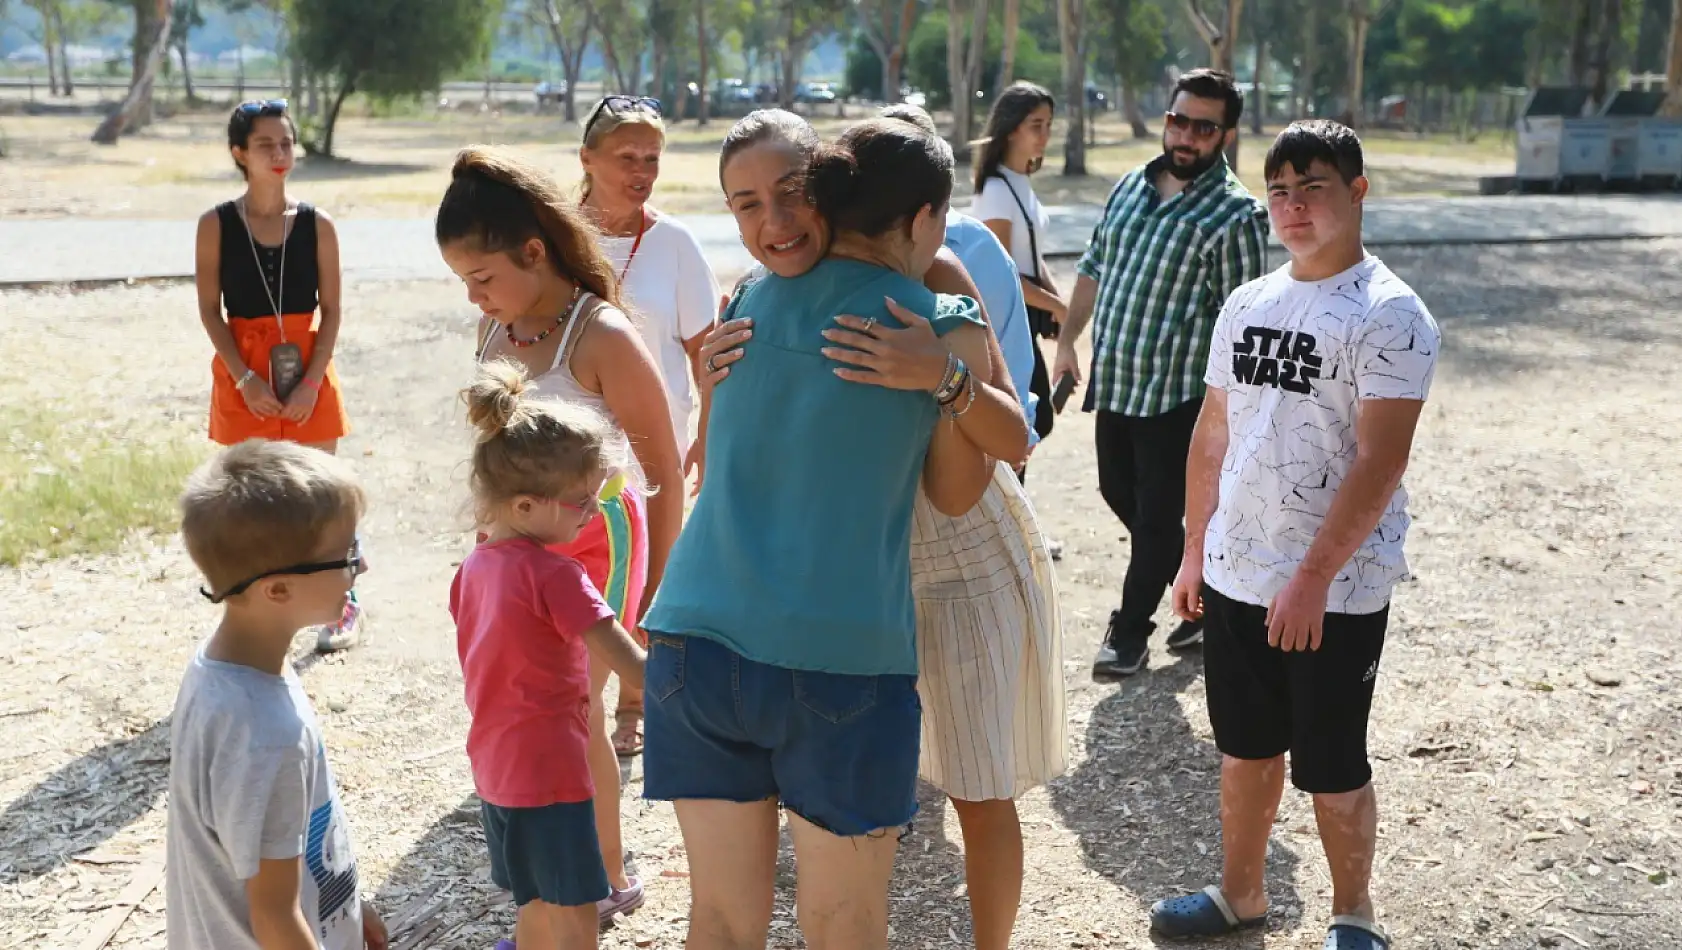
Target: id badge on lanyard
{"type": "Point", "coordinates": [286, 359]}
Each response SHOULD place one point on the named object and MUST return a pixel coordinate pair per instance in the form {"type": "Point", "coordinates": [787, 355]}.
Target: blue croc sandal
{"type": "Point", "coordinates": [1356, 933]}
{"type": "Point", "coordinates": [1203, 914]}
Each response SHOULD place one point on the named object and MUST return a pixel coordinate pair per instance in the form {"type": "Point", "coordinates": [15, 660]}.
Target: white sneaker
{"type": "Point", "coordinates": [1056, 549]}
{"type": "Point", "coordinates": [344, 634]}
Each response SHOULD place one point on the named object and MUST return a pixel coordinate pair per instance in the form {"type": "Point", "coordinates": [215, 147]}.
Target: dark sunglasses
{"type": "Point", "coordinates": [620, 104]}
{"type": "Point", "coordinates": [261, 107]}
{"type": "Point", "coordinates": [1202, 128]}
{"type": "Point", "coordinates": [351, 564]}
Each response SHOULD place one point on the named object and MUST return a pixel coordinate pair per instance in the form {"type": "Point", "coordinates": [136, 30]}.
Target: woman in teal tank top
{"type": "Point", "coordinates": [782, 664]}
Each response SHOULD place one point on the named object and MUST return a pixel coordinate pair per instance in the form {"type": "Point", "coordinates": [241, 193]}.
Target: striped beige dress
{"type": "Point", "coordinates": [989, 647]}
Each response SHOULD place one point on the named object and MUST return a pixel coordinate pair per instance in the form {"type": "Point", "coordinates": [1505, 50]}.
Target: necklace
{"type": "Point", "coordinates": [577, 289]}
{"type": "Point", "coordinates": [642, 228]}
{"type": "Point", "coordinates": [277, 294]}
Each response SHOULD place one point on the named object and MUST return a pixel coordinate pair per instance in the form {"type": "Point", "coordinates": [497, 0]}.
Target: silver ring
{"type": "Point", "coordinates": [869, 324]}
{"type": "Point", "coordinates": [711, 367]}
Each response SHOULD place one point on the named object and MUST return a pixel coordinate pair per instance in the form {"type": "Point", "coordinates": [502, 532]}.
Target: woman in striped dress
{"type": "Point", "coordinates": [989, 643]}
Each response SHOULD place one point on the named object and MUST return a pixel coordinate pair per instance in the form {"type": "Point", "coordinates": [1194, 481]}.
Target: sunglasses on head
{"type": "Point", "coordinates": [1202, 128]}
{"type": "Point", "coordinates": [352, 564]}
{"type": "Point", "coordinates": [262, 107]}
{"type": "Point", "coordinates": [621, 104]}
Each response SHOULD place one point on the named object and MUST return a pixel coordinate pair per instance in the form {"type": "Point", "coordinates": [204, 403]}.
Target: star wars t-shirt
{"type": "Point", "coordinates": [1296, 359]}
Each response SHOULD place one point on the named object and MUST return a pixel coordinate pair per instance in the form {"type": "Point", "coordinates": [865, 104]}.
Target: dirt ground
{"type": "Point", "coordinates": [1527, 732]}
{"type": "Point", "coordinates": [398, 167]}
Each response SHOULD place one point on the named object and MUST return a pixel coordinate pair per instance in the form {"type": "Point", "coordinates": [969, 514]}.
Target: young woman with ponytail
{"type": "Point", "coordinates": [549, 299]}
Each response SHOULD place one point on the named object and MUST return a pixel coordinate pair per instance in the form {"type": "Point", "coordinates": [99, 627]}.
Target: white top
{"type": "Point", "coordinates": [560, 384]}
{"type": "Point", "coordinates": [1296, 360]}
{"type": "Point", "coordinates": [671, 295]}
{"type": "Point", "coordinates": [995, 203]}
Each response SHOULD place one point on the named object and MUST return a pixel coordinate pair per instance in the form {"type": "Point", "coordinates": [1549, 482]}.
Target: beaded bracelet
{"type": "Point", "coordinates": [945, 377]}
{"type": "Point", "coordinates": [951, 394]}
{"type": "Point", "coordinates": [250, 374]}
{"type": "Point", "coordinates": [952, 385]}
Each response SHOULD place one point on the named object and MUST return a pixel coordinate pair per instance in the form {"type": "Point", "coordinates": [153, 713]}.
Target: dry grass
{"type": "Point", "coordinates": [80, 487]}
{"type": "Point", "coordinates": [397, 167]}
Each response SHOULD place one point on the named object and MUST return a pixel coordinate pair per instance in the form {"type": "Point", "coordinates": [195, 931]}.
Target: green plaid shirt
{"type": "Point", "coordinates": [1163, 270]}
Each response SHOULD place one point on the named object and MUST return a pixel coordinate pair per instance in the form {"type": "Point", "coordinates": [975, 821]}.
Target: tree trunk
{"type": "Point", "coordinates": [136, 108]}
{"type": "Point", "coordinates": [1611, 26]}
{"type": "Point", "coordinates": [963, 69]}
{"type": "Point", "coordinates": [1577, 60]}
{"type": "Point", "coordinates": [1135, 115]}
{"type": "Point", "coordinates": [186, 69]}
{"type": "Point", "coordinates": [67, 82]}
{"type": "Point", "coordinates": [701, 48]}
{"type": "Point", "coordinates": [332, 124]}
{"type": "Point", "coordinates": [1221, 40]}
{"type": "Point", "coordinates": [1310, 61]}
{"type": "Point", "coordinates": [572, 67]}
{"type": "Point", "coordinates": [1258, 112]}
{"type": "Point", "coordinates": [1007, 64]}
{"type": "Point", "coordinates": [792, 57]}
{"type": "Point", "coordinates": [49, 43]}
{"type": "Point", "coordinates": [1673, 69]}
{"type": "Point", "coordinates": [1071, 17]}
{"type": "Point", "coordinates": [896, 54]}
{"type": "Point", "coordinates": [1354, 91]}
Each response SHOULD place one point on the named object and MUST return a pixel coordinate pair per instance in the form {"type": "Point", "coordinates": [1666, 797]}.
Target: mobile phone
{"type": "Point", "coordinates": [1060, 395]}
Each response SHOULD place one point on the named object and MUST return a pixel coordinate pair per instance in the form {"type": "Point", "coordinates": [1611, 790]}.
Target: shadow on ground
{"type": "Point", "coordinates": [1145, 800]}
{"type": "Point", "coordinates": [83, 804]}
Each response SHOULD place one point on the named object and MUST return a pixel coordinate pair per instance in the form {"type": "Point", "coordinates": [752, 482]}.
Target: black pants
{"type": "Point", "coordinates": [1142, 476]}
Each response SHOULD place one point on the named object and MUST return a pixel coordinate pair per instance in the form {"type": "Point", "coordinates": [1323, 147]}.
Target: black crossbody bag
{"type": "Point", "coordinates": [1039, 321]}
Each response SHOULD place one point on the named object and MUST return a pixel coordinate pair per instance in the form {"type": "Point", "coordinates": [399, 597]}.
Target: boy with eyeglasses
{"type": "Point", "coordinates": [259, 855]}
{"type": "Point", "coordinates": [1178, 235]}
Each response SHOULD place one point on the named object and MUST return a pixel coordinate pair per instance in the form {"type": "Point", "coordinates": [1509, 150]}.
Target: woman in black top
{"type": "Point", "coordinates": [268, 281]}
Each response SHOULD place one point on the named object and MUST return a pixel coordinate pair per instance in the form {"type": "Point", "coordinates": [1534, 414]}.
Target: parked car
{"type": "Point", "coordinates": [816, 93]}
{"type": "Point", "coordinates": [549, 93]}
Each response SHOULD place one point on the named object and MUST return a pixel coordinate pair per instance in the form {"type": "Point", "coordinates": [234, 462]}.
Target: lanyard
{"type": "Point", "coordinates": [279, 292]}
{"type": "Point", "coordinates": [642, 227]}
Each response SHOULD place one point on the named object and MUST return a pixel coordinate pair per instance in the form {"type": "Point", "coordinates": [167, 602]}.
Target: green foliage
{"type": "Point", "coordinates": [1458, 44]}
{"type": "Point", "coordinates": [391, 47]}
{"type": "Point", "coordinates": [925, 60]}
{"type": "Point", "coordinates": [387, 49]}
{"type": "Point", "coordinates": [1132, 45]}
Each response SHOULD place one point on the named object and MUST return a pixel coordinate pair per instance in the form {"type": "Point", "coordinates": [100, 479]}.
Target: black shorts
{"type": "Point", "coordinates": [547, 854]}
{"type": "Point", "coordinates": [1264, 702]}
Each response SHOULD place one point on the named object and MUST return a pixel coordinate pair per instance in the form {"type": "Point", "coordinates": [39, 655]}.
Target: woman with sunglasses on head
{"type": "Point", "coordinates": [267, 272]}
{"type": "Point", "coordinates": [1018, 130]}
{"type": "Point", "coordinates": [783, 665]}
{"type": "Point", "coordinates": [550, 298]}
{"type": "Point", "coordinates": [989, 650]}
{"type": "Point", "coordinates": [664, 282]}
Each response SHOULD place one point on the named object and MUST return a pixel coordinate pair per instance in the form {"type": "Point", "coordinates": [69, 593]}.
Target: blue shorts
{"type": "Point", "coordinates": [547, 854]}
{"type": "Point", "coordinates": [838, 750]}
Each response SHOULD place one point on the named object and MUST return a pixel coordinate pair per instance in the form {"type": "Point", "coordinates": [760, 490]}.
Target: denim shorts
{"type": "Point", "coordinates": [549, 854]}
{"type": "Point", "coordinates": [838, 750]}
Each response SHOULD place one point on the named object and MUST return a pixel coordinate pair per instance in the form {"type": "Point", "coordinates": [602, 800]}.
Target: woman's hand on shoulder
{"type": "Point", "coordinates": [912, 359]}
{"type": "Point", "coordinates": [720, 347]}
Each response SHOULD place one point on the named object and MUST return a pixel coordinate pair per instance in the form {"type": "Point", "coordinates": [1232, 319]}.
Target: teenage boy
{"type": "Point", "coordinates": [1295, 521]}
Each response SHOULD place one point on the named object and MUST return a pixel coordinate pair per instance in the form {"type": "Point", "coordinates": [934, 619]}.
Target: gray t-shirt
{"type": "Point", "coordinates": [248, 781]}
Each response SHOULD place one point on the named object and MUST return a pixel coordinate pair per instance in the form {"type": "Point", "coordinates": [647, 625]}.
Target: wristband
{"type": "Point", "coordinates": [313, 384]}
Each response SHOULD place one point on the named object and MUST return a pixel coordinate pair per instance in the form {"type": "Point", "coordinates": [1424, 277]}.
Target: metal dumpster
{"type": "Point", "coordinates": [1556, 144]}
{"type": "Point", "coordinates": [1627, 112]}
{"type": "Point", "coordinates": [1658, 161]}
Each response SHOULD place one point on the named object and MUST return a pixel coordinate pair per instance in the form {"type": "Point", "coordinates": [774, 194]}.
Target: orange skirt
{"type": "Point", "coordinates": [231, 421]}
